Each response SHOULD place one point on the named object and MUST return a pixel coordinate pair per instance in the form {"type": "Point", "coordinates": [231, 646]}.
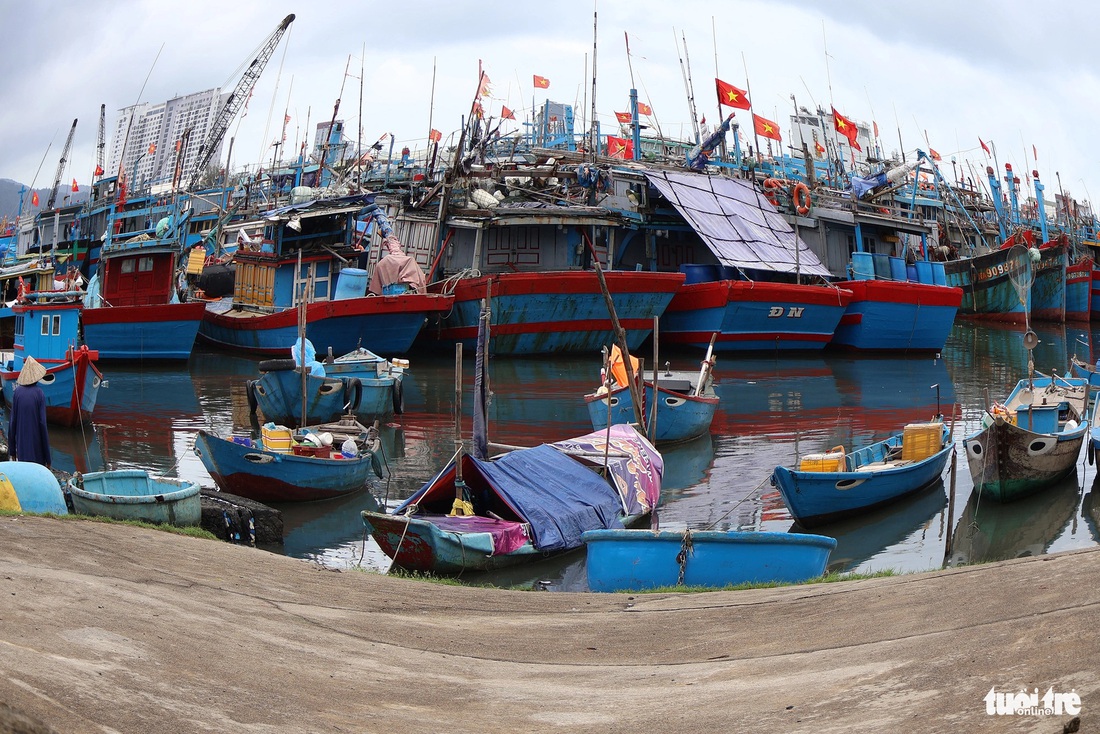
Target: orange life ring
{"type": "Point", "coordinates": [800, 197]}
{"type": "Point", "coordinates": [772, 186]}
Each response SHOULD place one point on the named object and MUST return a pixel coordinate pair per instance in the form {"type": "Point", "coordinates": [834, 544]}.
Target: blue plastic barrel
{"type": "Point", "coordinates": [924, 272]}
{"type": "Point", "coordinates": [700, 273]}
{"type": "Point", "coordinates": [911, 272]}
{"type": "Point", "coordinates": [351, 283]}
{"type": "Point", "coordinates": [863, 266]}
{"type": "Point", "coordinates": [897, 268]}
{"type": "Point", "coordinates": [939, 275]}
{"type": "Point", "coordinates": [882, 265]}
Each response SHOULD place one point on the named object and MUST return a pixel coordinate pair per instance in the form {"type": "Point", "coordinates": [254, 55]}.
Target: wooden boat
{"type": "Point", "coordinates": [29, 487]}
{"type": "Point", "coordinates": [528, 504]}
{"type": "Point", "coordinates": [987, 284]}
{"type": "Point", "coordinates": [281, 469]}
{"type": "Point", "coordinates": [1031, 440]}
{"type": "Point", "coordinates": [685, 401]}
{"type": "Point", "coordinates": [632, 560]}
{"type": "Point", "coordinates": [360, 382]}
{"type": "Point", "coordinates": [46, 328]}
{"type": "Point", "coordinates": [132, 309]}
{"type": "Point", "coordinates": [897, 316]}
{"type": "Point", "coordinates": [132, 494]}
{"type": "Point", "coordinates": [1086, 371]}
{"type": "Point", "coordinates": [829, 487]}
{"type": "Point", "coordinates": [261, 317]}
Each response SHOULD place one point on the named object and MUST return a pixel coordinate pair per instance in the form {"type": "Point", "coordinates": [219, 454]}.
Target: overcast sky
{"type": "Point", "coordinates": [1009, 72]}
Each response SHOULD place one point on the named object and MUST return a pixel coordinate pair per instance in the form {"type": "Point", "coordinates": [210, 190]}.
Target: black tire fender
{"type": "Point", "coordinates": [276, 365]}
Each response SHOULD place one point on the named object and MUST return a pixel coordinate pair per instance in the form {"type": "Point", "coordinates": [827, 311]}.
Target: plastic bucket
{"type": "Point", "coordinates": [897, 269]}
{"type": "Point", "coordinates": [882, 265]}
{"type": "Point", "coordinates": [351, 283]}
{"type": "Point", "coordinates": [700, 273]}
{"type": "Point", "coordinates": [863, 266]}
{"type": "Point", "coordinates": [911, 272]}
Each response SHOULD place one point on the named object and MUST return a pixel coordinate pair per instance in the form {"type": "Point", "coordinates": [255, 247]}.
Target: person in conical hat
{"type": "Point", "coordinates": [28, 439]}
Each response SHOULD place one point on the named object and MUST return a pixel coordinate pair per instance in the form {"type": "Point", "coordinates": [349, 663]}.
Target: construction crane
{"type": "Point", "coordinates": [237, 98]}
{"type": "Point", "coordinates": [101, 143]}
{"type": "Point", "coordinates": [61, 167]}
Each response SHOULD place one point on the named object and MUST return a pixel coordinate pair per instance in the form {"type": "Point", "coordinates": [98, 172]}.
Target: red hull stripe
{"type": "Point", "coordinates": [718, 293]}
{"type": "Point", "coordinates": [566, 282]}
{"type": "Point", "coordinates": [896, 292]}
{"type": "Point", "coordinates": [144, 314]}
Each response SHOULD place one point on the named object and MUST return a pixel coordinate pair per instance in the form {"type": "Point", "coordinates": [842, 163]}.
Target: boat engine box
{"type": "Point", "coordinates": [831, 460]}
{"type": "Point", "coordinates": [921, 440]}
{"type": "Point", "coordinates": [277, 438]}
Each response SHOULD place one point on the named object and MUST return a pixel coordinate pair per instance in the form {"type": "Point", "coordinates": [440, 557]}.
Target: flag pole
{"type": "Point", "coordinates": [748, 88]}
{"type": "Point", "coordinates": [723, 153]}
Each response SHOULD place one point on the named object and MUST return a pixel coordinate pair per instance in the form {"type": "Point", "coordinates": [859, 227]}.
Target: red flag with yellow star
{"type": "Point", "coordinates": [731, 96]}
{"type": "Point", "coordinates": [765, 128]}
{"type": "Point", "coordinates": [644, 109]}
{"type": "Point", "coordinates": [620, 148]}
{"type": "Point", "coordinates": [623, 117]}
{"type": "Point", "coordinates": [847, 128]}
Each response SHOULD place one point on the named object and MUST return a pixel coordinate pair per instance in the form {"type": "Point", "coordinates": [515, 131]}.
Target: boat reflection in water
{"type": "Point", "coordinates": [991, 531]}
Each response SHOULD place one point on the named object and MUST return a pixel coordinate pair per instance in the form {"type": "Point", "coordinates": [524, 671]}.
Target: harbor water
{"type": "Point", "coordinates": [774, 409]}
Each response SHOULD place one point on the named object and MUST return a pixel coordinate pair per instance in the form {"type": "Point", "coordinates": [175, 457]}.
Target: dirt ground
{"type": "Point", "coordinates": [108, 628]}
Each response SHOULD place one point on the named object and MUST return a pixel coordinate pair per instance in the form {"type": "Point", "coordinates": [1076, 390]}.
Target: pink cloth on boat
{"type": "Point", "coordinates": [396, 268]}
{"type": "Point", "coordinates": [508, 536]}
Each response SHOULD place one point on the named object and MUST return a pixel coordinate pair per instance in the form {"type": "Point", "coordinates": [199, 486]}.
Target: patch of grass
{"type": "Point", "coordinates": [443, 580]}
{"type": "Point", "coordinates": [194, 531]}
{"type": "Point", "coordinates": [828, 578]}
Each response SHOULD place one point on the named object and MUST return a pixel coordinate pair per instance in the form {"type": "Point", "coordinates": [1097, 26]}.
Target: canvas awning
{"type": "Point", "coordinates": [741, 227]}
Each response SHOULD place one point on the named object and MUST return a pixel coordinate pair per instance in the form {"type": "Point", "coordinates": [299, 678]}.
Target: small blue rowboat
{"type": "Point", "coordinates": [131, 494]}
{"type": "Point", "coordinates": [867, 478]}
{"type": "Point", "coordinates": [278, 394]}
{"type": "Point", "coordinates": [381, 380]}
{"type": "Point", "coordinates": [632, 560]}
{"type": "Point", "coordinates": [29, 487]}
{"type": "Point", "coordinates": [1085, 371]}
{"type": "Point", "coordinates": [279, 470]}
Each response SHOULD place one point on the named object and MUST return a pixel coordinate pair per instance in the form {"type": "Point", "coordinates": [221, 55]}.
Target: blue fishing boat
{"type": "Point", "coordinates": [524, 505]}
{"type": "Point", "coordinates": [46, 327]}
{"type": "Point", "coordinates": [1031, 440]}
{"type": "Point", "coordinates": [1079, 289]}
{"type": "Point", "coordinates": [685, 401]}
{"type": "Point", "coordinates": [992, 283]}
{"type": "Point", "coordinates": [27, 276]}
{"type": "Point", "coordinates": [308, 244]}
{"type": "Point", "coordinates": [1086, 371]}
{"type": "Point", "coordinates": [1048, 291]}
{"type": "Point", "coordinates": [633, 560]}
{"type": "Point", "coordinates": [29, 487]}
{"type": "Point", "coordinates": [1094, 296]}
{"type": "Point", "coordinates": [280, 468]}
{"type": "Point", "coordinates": [132, 494]}
{"type": "Point", "coordinates": [835, 485]}
{"type": "Point", "coordinates": [382, 379]}
{"type": "Point", "coordinates": [897, 316]}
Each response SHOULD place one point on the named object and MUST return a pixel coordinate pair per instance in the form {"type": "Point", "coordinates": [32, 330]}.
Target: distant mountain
{"type": "Point", "coordinates": [9, 197]}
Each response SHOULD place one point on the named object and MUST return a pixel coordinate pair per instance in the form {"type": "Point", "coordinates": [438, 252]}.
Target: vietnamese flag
{"type": "Point", "coordinates": [623, 117]}
{"type": "Point", "coordinates": [506, 114]}
{"type": "Point", "coordinates": [819, 149]}
{"type": "Point", "coordinates": [644, 109]}
{"type": "Point", "coordinates": [765, 128]}
{"type": "Point", "coordinates": [731, 96]}
{"type": "Point", "coordinates": [434, 135]}
{"type": "Point", "coordinates": [99, 170]}
{"type": "Point", "coordinates": [847, 128]}
{"type": "Point", "coordinates": [935, 156]}
{"type": "Point", "coordinates": [984, 146]}
{"type": "Point", "coordinates": [541, 82]}
{"type": "Point", "coordinates": [34, 198]}
{"type": "Point", "coordinates": [620, 148]}
{"type": "Point", "coordinates": [76, 186]}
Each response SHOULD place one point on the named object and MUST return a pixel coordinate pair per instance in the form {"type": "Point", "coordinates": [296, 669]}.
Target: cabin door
{"type": "Point", "coordinates": [135, 281]}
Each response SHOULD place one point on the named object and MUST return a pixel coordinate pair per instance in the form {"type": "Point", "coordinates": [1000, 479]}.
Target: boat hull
{"type": "Point", "coordinates": [164, 331]}
{"type": "Point", "coordinates": [1079, 291]}
{"type": "Point", "coordinates": [754, 316]}
{"type": "Point", "coordinates": [817, 498]}
{"type": "Point", "coordinates": [1048, 293]}
{"type": "Point", "coordinates": [71, 387]}
{"type": "Point", "coordinates": [554, 312]}
{"type": "Point", "coordinates": [131, 494]}
{"type": "Point", "coordinates": [1008, 462]}
{"type": "Point", "coordinates": [680, 417]}
{"type": "Point", "coordinates": [986, 282]}
{"type": "Point", "coordinates": [383, 324]}
{"type": "Point", "coordinates": [268, 476]}
{"type": "Point", "coordinates": [897, 316]}
{"type": "Point", "coordinates": [278, 395]}
{"type": "Point", "coordinates": [633, 560]}
{"type": "Point", "coordinates": [1094, 303]}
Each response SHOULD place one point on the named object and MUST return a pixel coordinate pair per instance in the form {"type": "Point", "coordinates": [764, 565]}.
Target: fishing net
{"type": "Point", "coordinates": [1022, 273]}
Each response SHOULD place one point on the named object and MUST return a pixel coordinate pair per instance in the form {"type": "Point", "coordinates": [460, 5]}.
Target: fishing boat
{"type": "Point", "coordinates": [897, 316]}
{"type": "Point", "coordinates": [995, 285]}
{"type": "Point", "coordinates": [838, 484]}
{"type": "Point", "coordinates": [46, 327]}
{"type": "Point", "coordinates": [1048, 291]}
{"type": "Point", "coordinates": [285, 466]}
{"type": "Point", "coordinates": [309, 243]}
{"type": "Point", "coordinates": [132, 309]}
{"type": "Point", "coordinates": [1031, 440]}
{"type": "Point", "coordinates": [133, 494]}
{"type": "Point", "coordinates": [30, 275]}
{"type": "Point", "coordinates": [382, 379]}
{"type": "Point", "coordinates": [1085, 370]}
{"type": "Point", "coordinates": [278, 394]}
{"type": "Point", "coordinates": [633, 560]}
{"type": "Point", "coordinates": [1079, 276]}
{"type": "Point", "coordinates": [685, 401]}
{"type": "Point", "coordinates": [525, 505]}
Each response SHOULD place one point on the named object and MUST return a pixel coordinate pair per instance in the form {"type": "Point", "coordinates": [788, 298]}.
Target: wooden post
{"type": "Point", "coordinates": [302, 340]}
{"type": "Point", "coordinates": [656, 395]}
{"type": "Point", "coordinates": [947, 546]}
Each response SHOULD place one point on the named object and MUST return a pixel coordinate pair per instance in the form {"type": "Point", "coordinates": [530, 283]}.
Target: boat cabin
{"type": "Point", "coordinates": [137, 276]}
{"type": "Point", "coordinates": [45, 329]}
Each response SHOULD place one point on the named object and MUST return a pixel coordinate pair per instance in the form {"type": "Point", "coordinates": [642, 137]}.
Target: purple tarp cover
{"type": "Point", "coordinates": [638, 478]}
{"type": "Point", "coordinates": [741, 227]}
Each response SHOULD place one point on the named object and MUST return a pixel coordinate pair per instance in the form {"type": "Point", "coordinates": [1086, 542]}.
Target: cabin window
{"type": "Point", "coordinates": [56, 331]}
{"type": "Point", "coordinates": [19, 327]}
{"type": "Point", "coordinates": [145, 264]}
{"type": "Point", "coordinates": [128, 266]}
{"type": "Point", "coordinates": [45, 324]}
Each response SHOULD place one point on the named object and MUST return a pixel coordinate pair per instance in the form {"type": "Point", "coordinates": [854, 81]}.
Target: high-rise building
{"type": "Point", "coordinates": [147, 137]}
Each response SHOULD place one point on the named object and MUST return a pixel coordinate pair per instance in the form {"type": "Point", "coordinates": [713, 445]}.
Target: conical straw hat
{"type": "Point", "coordinates": [31, 373]}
